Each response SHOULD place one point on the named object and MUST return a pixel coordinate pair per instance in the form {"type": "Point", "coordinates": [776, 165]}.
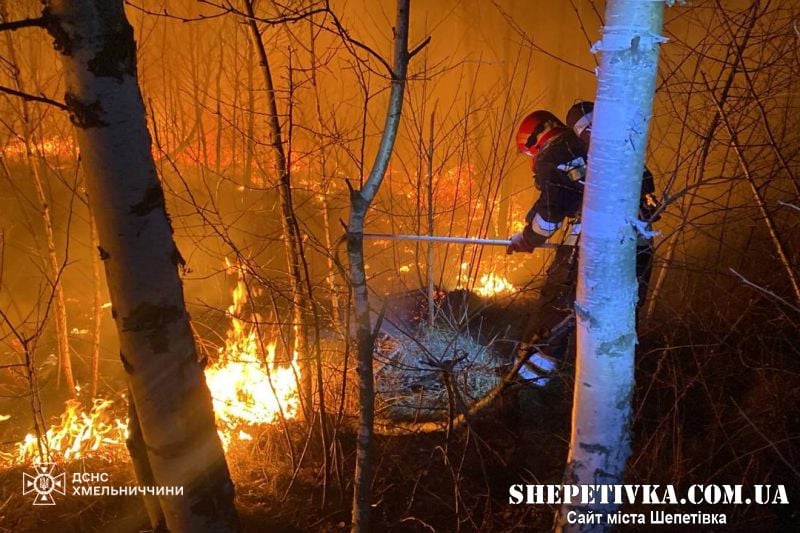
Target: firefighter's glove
{"type": "Point", "coordinates": [648, 208]}
{"type": "Point", "coordinates": [524, 241]}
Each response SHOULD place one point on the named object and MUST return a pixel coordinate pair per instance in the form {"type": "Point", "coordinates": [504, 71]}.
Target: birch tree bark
{"type": "Point", "coordinates": [360, 200]}
{"type": "Point", "coordinates": [607, 289]}
{"type": "Point", "coordinates": [157, 350]}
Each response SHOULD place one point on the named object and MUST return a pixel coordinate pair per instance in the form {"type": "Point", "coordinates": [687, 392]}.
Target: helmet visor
{"type": "Point", "coordinates": [584, 124]}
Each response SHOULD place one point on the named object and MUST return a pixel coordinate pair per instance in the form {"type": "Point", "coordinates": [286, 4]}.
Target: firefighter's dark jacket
{"type": "Point", "coordinates": [559, 173]}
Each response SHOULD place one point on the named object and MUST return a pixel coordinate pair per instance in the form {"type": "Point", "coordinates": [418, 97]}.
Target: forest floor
{"type": "Point", "coordinates": [416, 489]}
{"type": "Point", "coordinates": [707, 411]}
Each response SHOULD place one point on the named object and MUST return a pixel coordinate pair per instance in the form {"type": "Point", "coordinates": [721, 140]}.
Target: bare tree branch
{"type": "Point", "coordinates": [767, 439]}
{"type": "Point", "coordinates": [38, 22]}
{"type": "Point", "coordinates": [527, 40]}
{"type": "Point", "coordinates": [758, 197]}
{"type": "Point", "coordinates": [166, 14]}
{"type": "Point", "coordinates": [33, 97]}
{"type": "Point", "coordinates": [414, 51]}
{"type": "Point", "coordinates": [787, 204]}
{"type": "Point", "coordinates": [358, 44]}
{"type": "Point", "coordinates": [287, 16]}
{"type": "Point", "coordinates": [761, 289]}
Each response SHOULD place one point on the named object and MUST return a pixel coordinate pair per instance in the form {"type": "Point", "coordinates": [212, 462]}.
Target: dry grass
{"type": "Point", "coordinates": [412, 374]}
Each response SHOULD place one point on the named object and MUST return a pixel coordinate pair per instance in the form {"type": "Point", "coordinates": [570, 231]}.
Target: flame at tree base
{"type": "Point", "coordinates": [245, 393]}
{"type": "Point", "coordinates": [248, 389]}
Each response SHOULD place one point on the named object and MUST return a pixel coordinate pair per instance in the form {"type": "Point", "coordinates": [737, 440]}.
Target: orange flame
{"type": "Point", "coordinates": [248, 389]}
{"type": "Point", "coordinates": [492, 284]}
{"type": "Point", "coordinates": [78, 434]}
{"type": "Point", "coordinates": [247, 386]}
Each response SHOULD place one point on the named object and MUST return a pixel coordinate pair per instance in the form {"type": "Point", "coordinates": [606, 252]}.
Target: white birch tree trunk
{"type": "Point", "coordinates": [607, 289]}
{"type": "Point", "coordinates": [157, 349]}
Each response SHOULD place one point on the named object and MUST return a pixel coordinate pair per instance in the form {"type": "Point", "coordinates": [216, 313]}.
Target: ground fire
{"type": "Point", "coordinates": [247, 388]}
{"type": "Point", "coordinates": [346, 265]}
{"type": "Point", "coordinates": [78, 434]}
{"type": "Point", "coordinates": [492, 284]}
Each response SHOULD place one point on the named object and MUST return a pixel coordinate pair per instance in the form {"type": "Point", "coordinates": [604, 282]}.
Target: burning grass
{"type": "Point", "coordinates": [489, 285]}
{"type": "Point", "coordinates": [493, 284]}
{"type": "Point", "coordinates": [417, 379]}
{"type": "Point", "coordinates": [248, 387]}
{"type": "Point", "coordinates": [96, 432]}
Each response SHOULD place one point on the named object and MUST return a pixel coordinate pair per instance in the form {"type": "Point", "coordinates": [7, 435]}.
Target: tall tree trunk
{"type": "Point", "coordinates": [429, 186]}
{"type": "Point", "coordinates": [53, 265]}
{"type": "Point", "coordinates": [218, 103]}
{"type": "Point", "coordinates": [360, 201]}
{"type": "Point", "coordinates": [98, 307]}
{"type": "Point", "coordinates": [780, 246]}
{"type": "Point", "coordinates": [291, 229]}
{"type": "Point", "coordinates": [137, 449]}
{"type": "Point", "coordinates": [330, 277]}
{"type": "Point", "coordinates": [249, 141]}
{"type": "Point", "coordinates": [607, 289]}
{"type": "Point", "coordinates": [157, 349]}
{"type": "Point", "coordinates": [199, 97]}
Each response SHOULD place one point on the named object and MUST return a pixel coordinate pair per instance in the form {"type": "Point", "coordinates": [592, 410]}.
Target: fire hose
{"type": "Point", "coordinates": [451, 240]}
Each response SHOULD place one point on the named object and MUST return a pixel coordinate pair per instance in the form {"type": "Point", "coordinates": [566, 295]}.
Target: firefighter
{"type": "Point", "coordinates": [559, 154]}
{"type": "Point", "coordinates": [579, 118]}
{"type": "Point", "coordinates": [559, 169]}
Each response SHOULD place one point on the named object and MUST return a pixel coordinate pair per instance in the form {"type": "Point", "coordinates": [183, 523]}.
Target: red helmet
{"type": "Point", "coordinates": [529, 134]}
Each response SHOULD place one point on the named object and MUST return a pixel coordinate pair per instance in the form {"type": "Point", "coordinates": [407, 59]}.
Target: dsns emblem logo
{"type": "Point", "coordinates": [44, 484]}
